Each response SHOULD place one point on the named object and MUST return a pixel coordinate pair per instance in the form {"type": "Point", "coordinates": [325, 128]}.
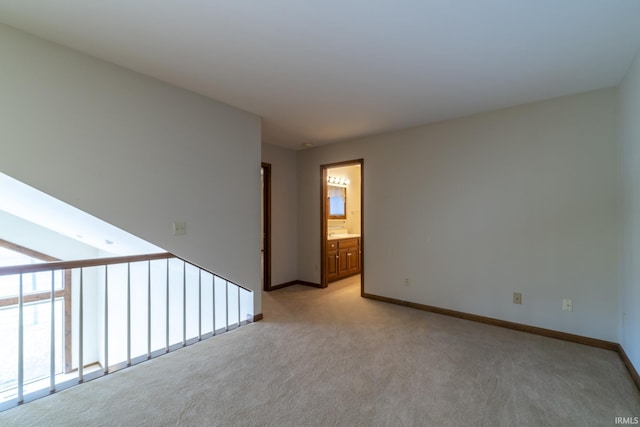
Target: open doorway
{"type": "Point", "coordinates": [265, 224]}
{"type": "Point", "coordinates": [342, 221]}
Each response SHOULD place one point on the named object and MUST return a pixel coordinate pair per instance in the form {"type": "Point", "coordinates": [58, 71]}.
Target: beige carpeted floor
{"type": "Point", "coordinates": [330, 358]}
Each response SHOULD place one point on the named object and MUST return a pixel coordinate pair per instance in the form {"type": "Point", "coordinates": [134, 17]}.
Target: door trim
{"type": "Point", "coordinates": [323, 218]}
{"type": "Point", "coordinates": [266, 216]}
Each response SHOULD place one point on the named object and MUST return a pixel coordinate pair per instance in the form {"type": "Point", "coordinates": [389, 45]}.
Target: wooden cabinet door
{"type": "Point", "coordinates": [353, 260]}
{"type": "Point", "coordinates": [343, 262]}
{"type": "Point", "coordinates": [332, 265]}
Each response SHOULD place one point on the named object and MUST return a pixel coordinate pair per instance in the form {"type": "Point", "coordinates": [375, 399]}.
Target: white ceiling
{"type": "Point", "coordinates": [330, 70]}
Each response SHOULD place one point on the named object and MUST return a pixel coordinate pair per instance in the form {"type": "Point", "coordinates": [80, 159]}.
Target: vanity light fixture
{"type": "Point", "coordinates": [334, 180]}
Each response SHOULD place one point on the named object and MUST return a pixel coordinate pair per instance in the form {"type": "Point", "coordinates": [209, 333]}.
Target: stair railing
{"type": "Point", "coordinates": [163, 295]}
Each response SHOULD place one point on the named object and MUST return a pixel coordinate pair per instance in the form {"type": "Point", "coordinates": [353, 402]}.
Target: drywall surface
{"type": "Point", "coordinates": [518, 200]}
{"type": "Point", "coordinates": [284, 208]}
{"type": "Point", "coordinates": [29, 235]}
{"type": "Point", "coordinates": [629, 137]}
{"type": "Point", "coordinates": [134, 152]}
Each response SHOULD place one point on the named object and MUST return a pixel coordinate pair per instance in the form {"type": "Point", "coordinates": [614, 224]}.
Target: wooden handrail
{"type": "Point", "coordinates": [204, 306]}
{"type": "Point", "coordinates": [67, 265]}
{"type": "Point", "coordinates": [94, 262]}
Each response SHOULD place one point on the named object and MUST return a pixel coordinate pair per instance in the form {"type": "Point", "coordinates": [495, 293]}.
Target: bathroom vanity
{"type": "Point", "coordinates": [343, 256]}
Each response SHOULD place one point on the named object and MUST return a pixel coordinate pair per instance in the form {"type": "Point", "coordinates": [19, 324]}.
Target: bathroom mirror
{"type": "Point", "coordinates": [337, 202]}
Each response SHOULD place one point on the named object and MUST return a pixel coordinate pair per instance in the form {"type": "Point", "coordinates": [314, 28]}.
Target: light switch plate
{"type": "Point", "coordinates": [179, 228]}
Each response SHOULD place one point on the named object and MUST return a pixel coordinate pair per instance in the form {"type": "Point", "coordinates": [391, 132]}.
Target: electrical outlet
{"type": "Point", "coordinates": [406, 281]}
{"type": "Point", "coordinates": [567, 305]}
{"type": "Point", "coordinates": [179, 228]}
{"type": "Point", "coordinates": [517, 298]}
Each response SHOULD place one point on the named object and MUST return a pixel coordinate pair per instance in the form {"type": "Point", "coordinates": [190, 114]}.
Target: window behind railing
{"type": "Point", "coordinates": [62, 323]}
{"type": "Point", "coordinates": [37, 317]}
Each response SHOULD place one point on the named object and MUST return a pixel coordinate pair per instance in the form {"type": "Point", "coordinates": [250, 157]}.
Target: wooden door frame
{"type": "Point", "coordinates": [323, 218]}
{"type": "Point", "coordinates": [266, 212]}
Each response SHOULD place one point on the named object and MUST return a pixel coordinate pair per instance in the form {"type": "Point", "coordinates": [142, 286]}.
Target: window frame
{"type": "Point", "coordinates": [64, 293]}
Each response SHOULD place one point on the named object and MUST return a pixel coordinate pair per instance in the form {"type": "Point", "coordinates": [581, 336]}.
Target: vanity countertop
{"type": "Point", "coordinates": [342, 236]}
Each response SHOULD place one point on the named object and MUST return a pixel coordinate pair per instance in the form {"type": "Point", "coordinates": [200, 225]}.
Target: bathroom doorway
{"type": "Point", "coordinates": [342, 222]}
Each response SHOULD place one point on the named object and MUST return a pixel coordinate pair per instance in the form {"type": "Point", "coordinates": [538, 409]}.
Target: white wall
{"type": "Point", "coordinates": [24, 233]}
{"type": "Point", "coordinates": [284, 208]}
{"type": "Point", "coordinates": [134, 152]}
{"type": "Point", "coordinates": [629, 137]}
{"type": "Point", "coordinates": [522, 199]}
